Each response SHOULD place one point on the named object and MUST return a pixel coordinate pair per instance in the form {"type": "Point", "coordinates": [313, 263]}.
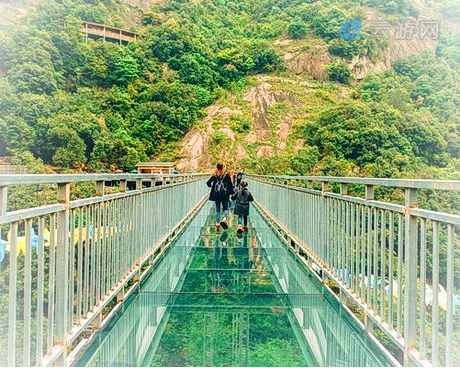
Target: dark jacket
{"type": "Point", "coordinates": [242, 198]}
{"type": "Point", "coordinates": [227, 183]}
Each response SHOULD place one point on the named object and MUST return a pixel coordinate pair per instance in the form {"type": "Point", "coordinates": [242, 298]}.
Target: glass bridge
{"type": "Point", "coordinates": [117, 270]}
{"type": "Point", "coordinates": [216, 299]}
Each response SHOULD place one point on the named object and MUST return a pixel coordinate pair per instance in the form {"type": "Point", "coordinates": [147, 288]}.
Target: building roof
{"type": "Point", "coordinates": [157, 164]}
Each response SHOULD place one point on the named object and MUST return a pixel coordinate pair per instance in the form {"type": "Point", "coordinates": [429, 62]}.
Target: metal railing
{"type": "Point", "coordinates": [64, 266]}
{"type": "Point", "coordinates": [398, 263]}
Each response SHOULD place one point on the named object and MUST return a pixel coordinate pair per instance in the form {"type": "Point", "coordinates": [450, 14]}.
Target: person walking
{"type": "Point", "coordinates": [231, 203]}
{"type": "Point", "coordinates": [239, 178]}
{"type": "Point", "coordinates": [221, 189]}
{"type": "Point", "coordinates": [242, 198]}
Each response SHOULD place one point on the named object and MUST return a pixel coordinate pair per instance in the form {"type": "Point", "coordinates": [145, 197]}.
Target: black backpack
{"type": "Point", "coordinates": [220, 188]}
{"type": "Point", "coordinates": [243, 198]}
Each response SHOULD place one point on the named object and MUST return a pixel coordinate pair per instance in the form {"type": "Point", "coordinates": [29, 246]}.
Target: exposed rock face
{"type": "Point", "coordinates": [194, 149]}
{"type": "Point", "coordinates": [314, 60]}
{"type": "Point", "coordinates": [228, 132]}
{"type": "Point", "coordinates": [283, 131]}
{"type": "Point", "coordinates": [195, 144]}
{"type": "Point", "coordinates": [311, 62]}
{"type": "Point", "coordinates": [265, 151]}
{"type": "Point", "coordinates": [240, 153]}
{"type": "Point", "coordinates": [261, 98]}
{"type": "Point", "coordinates": [251, 138]}
{"type": "Point", "coordinates": [397, 49]}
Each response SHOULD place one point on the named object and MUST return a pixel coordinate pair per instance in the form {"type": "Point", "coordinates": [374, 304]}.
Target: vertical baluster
{"type": "Point", "coordinates": [93, 259]}
{"type": "Point", "coordinates": [410, 301]}
{"type": "Point", "coordinates": [79, 266]}
{"type": "Point", "coordinates": [383, 236]}
{"type": "Point", "coordinates": [357, 257]}
{"type": "Point", "coordinates": [51, 283]}
{"type": "Point", "coordinates": [12, 300]}
{"type": "Point", "coordinates": [369, 256]}
{"type": "Point", "coordinates": [400, 276]}
{"type": "Point", "coordinates": [391, 266]}
{"type": "Point", "coordinates": [450, 294]}
{"type": "Point", "coordinates": [376, 264]}
{"type": "Point", "coordinates": [435, 305]}
{"type": "Point", "coordinates": [104, 249]}
{"type": "Point", "coordinates": [109, 259]}
{"type": "Point", "coordinates": [352, 254]}
{"type": "Point", "coordinates": [88, 241]}
{"type": "Point", "coordinates": [71, 285]}
{"type": "Point", "coordinates": [422, 287]}
{"type": "Point", "coordinates": [40, 288]}
{"type": "Point", "coordinates": [98, 253]}
{"type": "Point", "coordinates": [363, 252]}
{"type": "Point", "coordinates": [62, 269]}
{"type": "Point", "coordinates": [27, 292]}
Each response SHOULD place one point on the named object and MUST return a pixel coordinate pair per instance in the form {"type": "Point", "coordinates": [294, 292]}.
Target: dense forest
{"type": "Point", "coordinates": [87, 105]}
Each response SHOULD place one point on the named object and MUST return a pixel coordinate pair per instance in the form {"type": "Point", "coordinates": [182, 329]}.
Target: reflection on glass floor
{"type": "Point", "coordinates": [221, 300]}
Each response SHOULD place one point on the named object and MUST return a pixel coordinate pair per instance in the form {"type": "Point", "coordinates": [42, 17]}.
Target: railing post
{"type": "Point", "coordinates": [370, 192]}
{"type": "Point", "coordinates": [123, 186]}
{"type": "Point", "coordinates": [324, 187]}
{"type": "Point", "coordinates": [62, 268]}
{"type": "Point", "coordinates": [3, 200]}
{"type": "Point", "coordinates": [309, 184]}
{"type": "Point", "coordinates": [138, 227]}
{"type": "Point", "coordinates": [410, 307]}
{"type": "Point", "coordinates": [343, 189]}
{"type": "Point", "coordinates": [100, 188]}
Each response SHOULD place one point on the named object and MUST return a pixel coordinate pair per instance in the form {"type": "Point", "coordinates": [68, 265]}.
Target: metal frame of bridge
{"type": "Point", "coordinates": [120, 236]}
{"type": "Point", "coordinates": [352, 241]}
{"type": "Point", "coordinates": [90, 253]}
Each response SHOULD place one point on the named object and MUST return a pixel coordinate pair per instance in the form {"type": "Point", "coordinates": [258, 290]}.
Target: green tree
{"type": "Point", "coordinates": [305, 160]}
{"type": "Point", "coordinates": [297, 30]}
{"type": "Point", "coordinates": [123, 68]}
{"type": "Point", "coordinates": [69, 147]}
{"type": "Point", "coordinates": [339, 72]}
{"type": "Point", "coordinates": [33, 78]}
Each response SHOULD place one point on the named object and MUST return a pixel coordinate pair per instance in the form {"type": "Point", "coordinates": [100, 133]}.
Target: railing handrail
{"type": "Point", "coordinates": [399, 183]}
{"type": "Point", "coordinates": [22, 179]}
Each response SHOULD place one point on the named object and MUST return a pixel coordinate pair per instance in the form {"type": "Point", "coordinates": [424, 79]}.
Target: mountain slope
{"type": "Point", "coordinates": [269, 85]}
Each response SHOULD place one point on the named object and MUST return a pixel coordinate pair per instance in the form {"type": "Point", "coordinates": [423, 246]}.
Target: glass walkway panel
{"type": "Point", "coordinates": [219, 299]}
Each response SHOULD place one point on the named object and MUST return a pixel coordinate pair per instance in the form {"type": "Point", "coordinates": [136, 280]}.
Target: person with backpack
{"type": "Point", "coordinates": [239, 178]}
{"type": "Point", "coordinates": [221, 189]}
{"type": "Point", "coordinates": [243, 198]}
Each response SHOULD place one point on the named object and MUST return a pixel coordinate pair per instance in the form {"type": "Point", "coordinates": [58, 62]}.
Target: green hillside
{"type": "Point", "coordinates": [89, 105]}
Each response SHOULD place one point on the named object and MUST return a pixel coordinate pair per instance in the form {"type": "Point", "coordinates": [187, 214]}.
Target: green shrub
{"type": "Point", "coordinates": [339, 72]}
{"type": "Point", "coordinates": [297, 30]}
{"type": "Point", "coordinates": [218, 137]}
{"type": "Point", "coordinates": [239, 124]}
{"type": "Point", "coordinates": [345, 49]}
